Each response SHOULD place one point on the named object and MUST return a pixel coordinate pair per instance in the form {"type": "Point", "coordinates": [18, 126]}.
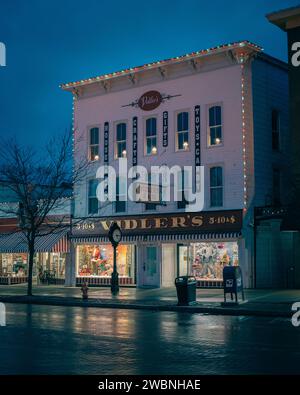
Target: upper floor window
{"type": "Point", "coordinates": [276, 187]}
{"type": "Point", "coordinates": [151, 188]}
{"type": "Point", "coordinates": [182, 134]}
{"type": "Point", "coordinates": [275, 130]}
{"type": "Point", "coordinates": [94, 144]}
{"type": "Point", "coordinates": [93, 204]}
{"type": "Point", "coordinates": [216, 186]}
{"type": "Point", "coordinates": [151, 136]}
{"type": "Point", "coordinates": [184, 189]}
{"type": "Point", "coordinates": [121, 140]}
{"type": "Point", "coordinates": [120, 203]}
{"type": "Point", "coordinates": [215, 125]}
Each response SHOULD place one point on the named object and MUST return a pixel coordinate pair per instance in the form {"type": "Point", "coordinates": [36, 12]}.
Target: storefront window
{"type": "Point", "coordinates": [97, 260]}
{"type": "Point", "coordinates": [50, 264]}
{"type": "Point", "coordinates": [209, 259]}
{"type": "Point", "coordinates": [13, 265]}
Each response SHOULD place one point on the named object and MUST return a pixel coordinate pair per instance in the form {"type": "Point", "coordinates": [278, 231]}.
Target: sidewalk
{"type": "Point", "coordinates": [275, 303]}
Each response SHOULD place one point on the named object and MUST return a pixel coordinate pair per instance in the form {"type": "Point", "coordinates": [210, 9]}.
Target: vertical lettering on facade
{"type": "Point", "coordinates": [106, 142]}
{"type": "Point", "coordinates": [197, 137]}
{"type": "Point", "coordinates": [134, 141]}
{"type": "Point", "coordinates": [165, 128]}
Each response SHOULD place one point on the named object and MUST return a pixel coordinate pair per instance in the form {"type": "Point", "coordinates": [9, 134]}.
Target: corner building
{"type": "Point", "coordinates": [225, 108]}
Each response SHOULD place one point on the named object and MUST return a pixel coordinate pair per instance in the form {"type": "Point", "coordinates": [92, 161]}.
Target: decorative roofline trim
{"type": "Point", "coordinates": [154, 65]}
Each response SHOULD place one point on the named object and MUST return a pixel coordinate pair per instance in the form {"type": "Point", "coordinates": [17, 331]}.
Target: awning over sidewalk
{"type": "Point", "coordinates": [162, 237]}
{"type": "Point", "coordinates": [53, 242]}
{"type": "Point", "coordinates": [14, 242]}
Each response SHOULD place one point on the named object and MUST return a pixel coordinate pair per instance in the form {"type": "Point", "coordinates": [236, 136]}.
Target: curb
{"type": "Point", "coordinates": [240, 310]}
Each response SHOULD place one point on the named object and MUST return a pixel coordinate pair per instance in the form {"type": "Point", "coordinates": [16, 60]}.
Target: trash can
{"type": "Point", "coordinates": [186, 290]}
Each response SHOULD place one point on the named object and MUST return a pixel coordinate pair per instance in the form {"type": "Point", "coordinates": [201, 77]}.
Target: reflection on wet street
{"type": "Point", "coordinates": [74, 340]}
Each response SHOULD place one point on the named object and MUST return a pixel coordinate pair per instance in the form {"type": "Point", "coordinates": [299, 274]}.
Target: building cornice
{"type": "Point", "coordinates": [286, 19]}
{"type": "Point", "coordinates": [239, 51]}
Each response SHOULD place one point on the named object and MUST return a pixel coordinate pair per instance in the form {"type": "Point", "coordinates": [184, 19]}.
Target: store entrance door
{"type": "Point", "coordinates": [183, 260]}
{"type": "Point", "coordinates": [150, 267]}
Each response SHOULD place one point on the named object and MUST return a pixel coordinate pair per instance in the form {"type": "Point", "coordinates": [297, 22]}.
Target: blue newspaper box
{"type": "Point", "coordinates": [233, 282]}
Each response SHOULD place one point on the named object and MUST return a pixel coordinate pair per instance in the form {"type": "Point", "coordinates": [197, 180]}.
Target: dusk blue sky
{"type": "Point", "coordinates": [50, 42]}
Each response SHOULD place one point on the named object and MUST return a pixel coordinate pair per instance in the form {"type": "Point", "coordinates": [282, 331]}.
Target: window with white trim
{"type": "Point", "coordinates": [93, 203]}
{"type": "Point", "coordinates": [151, 136]}
{"type": "Point", "coordinates": [121, 140]}
{"type": "Point", "coordinates": [214, 125]}
{"type": "Point", "coordinates": [94, 144]}
{"type": "Point", "coordinates": [184, 189]}
{"type": "Point", "coordinates": [120, 203]}
{"type": "Point", "coordinates": [216, 186]}
{"type": "Point", "coordinates": [182, 133]}
{"type": "Point", "coordinates": [150, 205]}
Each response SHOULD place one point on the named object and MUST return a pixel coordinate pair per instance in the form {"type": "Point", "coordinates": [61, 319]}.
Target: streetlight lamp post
{"type": "Point", "coordinates": [115, 236]}
{"type": "Point", "coordinates": [115, 274]}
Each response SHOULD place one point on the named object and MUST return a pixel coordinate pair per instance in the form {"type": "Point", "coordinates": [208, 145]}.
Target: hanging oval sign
{"type": "Point", "coordinates": [150, 100]}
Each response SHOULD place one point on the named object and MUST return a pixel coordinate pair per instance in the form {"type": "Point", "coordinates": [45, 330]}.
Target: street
{"type": "Point", "coordinates": [74, 340]}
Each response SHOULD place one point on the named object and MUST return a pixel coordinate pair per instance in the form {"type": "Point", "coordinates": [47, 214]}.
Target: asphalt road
{"type": "Point", "coordinates": [74, 340]}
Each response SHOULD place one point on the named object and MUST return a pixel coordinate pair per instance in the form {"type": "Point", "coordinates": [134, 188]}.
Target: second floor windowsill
{"type": "Point", "coordinates": [215, 145]}
{"type": "Point", "coordinates": [149, 155]}
{"type": "Point", "coordinates": [183, 150]}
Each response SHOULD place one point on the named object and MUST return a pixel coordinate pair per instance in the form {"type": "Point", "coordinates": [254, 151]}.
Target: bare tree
{"type": "Point", "coordinates": [40, 181]}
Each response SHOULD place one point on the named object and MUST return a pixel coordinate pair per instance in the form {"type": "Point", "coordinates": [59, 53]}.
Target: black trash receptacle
{"type": "Point", "coordinates": [186, 290]}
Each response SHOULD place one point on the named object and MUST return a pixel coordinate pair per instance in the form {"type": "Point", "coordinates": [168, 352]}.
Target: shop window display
{"type": "Point", "coordinates": [50, 265]}
{"type": "Point", "coordinates": [13, 265]}
{"type": "Point", "coordinates": [209, 259]}
{"type": "Point", "coordinates": [97, 260]}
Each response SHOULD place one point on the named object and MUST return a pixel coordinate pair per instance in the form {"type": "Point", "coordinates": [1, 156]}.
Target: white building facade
{"type": "Point", "coordinates": [201, 109]}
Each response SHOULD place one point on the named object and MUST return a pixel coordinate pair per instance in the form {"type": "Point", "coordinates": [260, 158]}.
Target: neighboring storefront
{"type": "Point", "coordinates": [50, 267]}
{"type": "Point", "coordinates": [13, 268]}
{"type": "Point", "coordinates": [49, 261]}
{"type": "Point", "coordinates": [155, 249]}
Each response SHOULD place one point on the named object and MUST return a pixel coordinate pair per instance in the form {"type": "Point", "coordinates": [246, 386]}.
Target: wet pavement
{"type": "Point", "coordinates": [267, 303]}
{"type": "Point", "coordinates": [75, 340]}
{"type": "Point", "coordinates": [153, 294]}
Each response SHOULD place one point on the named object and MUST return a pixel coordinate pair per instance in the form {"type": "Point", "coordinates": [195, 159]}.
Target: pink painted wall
{"type": "Point", "coordinates": [220, 85]}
